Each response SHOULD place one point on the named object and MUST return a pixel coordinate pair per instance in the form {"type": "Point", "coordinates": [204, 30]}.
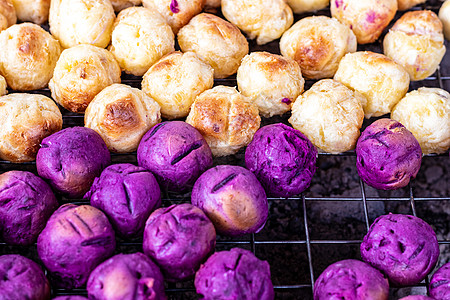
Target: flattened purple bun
{"type": "Point", "coordinates": [282, 158]}
{"type": "Point", "coordinates": [417, 297]}
{"type": "Point", "coordinates": [388, 156]}
{"type": "Point", "coordinates": [22, 278]}
{"type": "Point", "coordinates": [26, 203]}
{"type": "Point", "coordinates": [127, 194]}
{"type": "Point", "coordinates": [351, 280]}
{"type": "Point", "coordinates": [176, 153]}
{"type": "Point", "coordinates": [233, 199]}
{"type": "Point", "coordinates": [403, 247]}
{"type": "Point", "coordinates": [75, 240]}
{"type": "Point", "coordinates": [70, 298]}
{"type": "Point", "coordinates": [179, 238]}
{"type": "Point", "coordinates": [70, 159]}
{"type": "Point", "coordinates": [126, 277]}
{"type": "Point", "coordinates": [234, 274]}
{"type": "Point", "coordinates": [440, 283]}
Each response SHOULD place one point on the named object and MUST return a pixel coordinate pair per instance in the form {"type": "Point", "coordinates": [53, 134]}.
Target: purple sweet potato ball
{"type": "Point", "coordinates": [282, 158]}
{"type": "Point", "coordinates": [70, 159]}
{"type": "Point", "coordinates": [417, 297]}
{"type": "Point", "coordinates": [351, 280]}
{"type": "Point", "coordinates": [233, 199]}
{"type": "Point", "coordinates": [127, 194]}
{"type": "Point", "coordinates": [26, 203]}
{"type": "Point", "coordinates": [388, 156]}
{"type": "Point", "coordinates": [75, 240]}
{"type": "Point", "coordinates": [404, 247]}
{"type": "Point", "coordinates": [440, 283]}
{"type": "Point", "coordinates": [22, 278]}
{"type": "Point", "coordinates": [234, 274]}
{"type": "Point", "coordinates": [176, 153]}
{"type": "Point", "coordinates": [179, 238]}
{"type": "Point", "coordinates": [126, 277]}
{"type": "Point", "coordinates": [70, 298]}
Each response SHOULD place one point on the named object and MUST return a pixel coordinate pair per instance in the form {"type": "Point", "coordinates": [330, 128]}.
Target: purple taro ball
{"type": "Point", "coordinates": [127, 194]}
{"type": "Point", "coordinates": [283, 160]}
{"type": "Point", "coordinates": [179, 238]}
{"type": "Point", "coordinates": [387, 155]}
{"type": "Point", "coordinates": [126, 277]}
{"type": "Point", "coordinates": [71, 158]}
{"type": "Point", "coordinates": [351, 280]}
{"type": "Point", "coordinates": [234, 274]}
{"type": "Point", "coordinates": [176, 153]}
{"type": "Point", "coordinates": [403, 247]}
{"type": "Point", "coordinates": [440, 283]}
{"type": "Point", "coordinates": [26, 203]}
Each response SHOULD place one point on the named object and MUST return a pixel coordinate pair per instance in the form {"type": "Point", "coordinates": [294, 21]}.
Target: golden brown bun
{"type": "Point", "coordinates": [330, 115]}
{"type": "Point", "coordinates": [75, 22]}
{"type": "Point", "coordinates": [28, 55]}
{"type": "Point", "coordinates": [176, 80]}
{"type": "Point", "coordinates": [444, 16]}
{"type": "Point", "coordinates": [225, 118]}
{"type": "Point", "coordinates": [26, 120]}
{"type": "Point", "coordinates": [177, 13]}
{"type": "Point", "coordinates": [416, 42]}
{"type": "Point", "coordinates": [3, 86]}
{"type": "Point", "coordinates": [318, 43]}
{"type": "Point", "coordinates": [407, 4]}
{"type": "Point", "coordinates": [119, 5]}
{"type": "Point", "coordinates": [367, 18]}
{"type": "Point", "coordinates": [122, 115]}
{"type": "Point", "coordinates": [302, 6]}
{"type": "Point", "coordinates": [81, 73]}
{"type": "Point", "coordinates": [216, 41]}
{"type": "Point", "coordinates": [375, 76]}
{"type": "Point", "coordinates": [7, 14]}
{"type": "Point", "coordinates": [35, 11]}
{"type": "Point", "coordinates": [140, 38]}
{"type": "Point", "coordinates": [272, 82]}
{"type": "Point", "coordinates": [260, 19]}
{"type": "Point", "coordinates": [426, 113]}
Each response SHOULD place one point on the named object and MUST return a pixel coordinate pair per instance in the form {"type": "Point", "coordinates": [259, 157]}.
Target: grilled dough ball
{"type": "Point", "coordinates": [367, 18]}
{"type": "Point", "coordinates": [216, 41]}
{"type": "Point", "coordinates": [28, 55]}
{"type": "Point", "coordinates": [407, 4]}
{"type": "Point", "coordinates": [176, 12]}
{"type": "Point", "coordinates": [260, 19]}
{"type": "Point", "coordinates": [75, 22]}
{"type": "Point", "coordinates": [212, 3]}
{"type": "Point", "coordinates": [302, 6]}
{"type": "Point", "coordinates": [81, 73]}
{"type": "Point", "coordinates": [225, 118]}
{"type": "Point", "coordinates": [378, 78]}
{"type": "Point", "coordinates": [119, 5]}
{"type": "Point", "coordinates": [176, 80]}
{"type": "Point", "coordinates": [35, 11]}
{"type": "Point", "coordinates": [318, 43]}
{"type": "Point", "coordinates": [140, 38]}
{"type": "Point", "coordinates": [416, 42]}
{"type": "Point", "coordinates": [426, 113]}
{"type": "Point", "coordinates": [26, 120]}
{"type": "Point", "coordinates": [3, 90]}
{"type": "Point", "coordinates": [121, 115]}
{"type": "Point", "coordinates": [444, 16]}
{"type": "Point", "coordinates": [270, 81]}
{"type": "Point", "coordinates": [7, 14]}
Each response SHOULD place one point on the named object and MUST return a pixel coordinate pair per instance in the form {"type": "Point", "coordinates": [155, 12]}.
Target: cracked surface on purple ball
{"type": "Point", "coordinates": [282, 158]}
{"type": "Point", "coordinates": [404, 247]}
{"type": "Point", "coordinates": [440, 283]}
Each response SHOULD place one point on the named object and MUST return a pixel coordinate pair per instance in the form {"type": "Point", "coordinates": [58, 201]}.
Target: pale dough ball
{"type": "Point", "coordinates": [26, 120]}
{"type": "Point", "coordinates": [176, 80]}
{"type": "Point", "coordinates": [260, 19]}
{"type": "Point", "coordinates": [444, 16]}
{"type": "Point", "coordinates": [407, 4]}
{"type": "Point", "coordinates": [318, 43]}
{"type": "Point", "coordinates": [28, 55]}
{"type": "Point", "coordinates": [176, 12]}
{"type": "Point", "coordinates": [375, 76]}
{"type": "Point", "coordinates": [122, 115]}
{"type": "Point", "coordinates": [330, 115]}
{"type": "Point", "coordinates": [270, 81]}
{"type": "Point", "coordinates": [426, 113]}
{"type": "Point", "coordinates": [35, 11]}
{"type": "Point", "coordinates": [225, 118]}
{"type": "Point", "coordinates": [81, 73]}
{"type": "Point", "coordinates": [75, 22]}
{"type": "Point", "coordinates": [367, 18]}
{"type": "Point", "coordinates": [3, 86]}
{"type": "Point", "coordinates": [302, 6]}
{"type": "Point", "coordinates": [416, 42]}
{"type": "Point", "coordinates": [216, 41]}
{"type": "Point", "coordinates": [119, 5]}
{"type": "Point", "coordinates": [7, 14]}
{"type": "Point", "coordinates": [140, 38]}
